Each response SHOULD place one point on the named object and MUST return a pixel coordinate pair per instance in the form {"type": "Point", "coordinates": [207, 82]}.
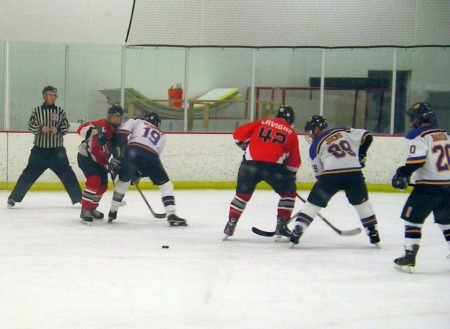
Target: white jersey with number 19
{"type": "Point", "coordinates": [143, 135]}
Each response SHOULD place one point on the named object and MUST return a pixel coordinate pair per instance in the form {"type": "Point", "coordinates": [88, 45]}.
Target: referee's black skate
{"type": "Point", "coordinates": [10, 203]}
{"type": "Point", "coordinates": [174, 220]}
{"type": "Point", "coordinates": [408, 260]}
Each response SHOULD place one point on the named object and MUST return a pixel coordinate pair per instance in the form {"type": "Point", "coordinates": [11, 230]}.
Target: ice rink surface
{"type": "Point", "coordinates": [57, 273]}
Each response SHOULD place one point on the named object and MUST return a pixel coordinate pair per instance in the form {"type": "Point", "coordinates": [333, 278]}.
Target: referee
{"type": "Point", "coordinates": [48, 123]}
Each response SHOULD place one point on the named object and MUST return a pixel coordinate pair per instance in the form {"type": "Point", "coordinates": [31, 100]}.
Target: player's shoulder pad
{"type": "Point", "coordinates": [422, 131]}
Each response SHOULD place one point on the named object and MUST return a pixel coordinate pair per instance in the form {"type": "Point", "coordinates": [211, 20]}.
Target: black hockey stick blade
{"type": "Point", "coordinates": [267, 233]}
{"type": "Point", "coordinates": [155, 214]}
{"type": "Point", "coordinates": [351, 232]}
{"type": "Point", "coordinates": [262, 233]}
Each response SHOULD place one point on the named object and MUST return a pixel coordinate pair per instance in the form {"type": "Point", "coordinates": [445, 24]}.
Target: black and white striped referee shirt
{"type": "Point", "coordinates": [50, 116]}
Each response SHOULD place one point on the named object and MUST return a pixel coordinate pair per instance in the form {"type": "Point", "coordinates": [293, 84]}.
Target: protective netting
{"type": "Point", "coordinates": [290, 23]}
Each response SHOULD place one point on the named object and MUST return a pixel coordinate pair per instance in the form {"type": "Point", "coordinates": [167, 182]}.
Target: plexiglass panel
{"type": "Point", "coordinates": [217, 89]}
{"type": "Point", "coordinates": [32, 67]}
{"type": "Point", "coordinates": [283, 78]}
{"type": "Point", "coordinates": [429, 81]}
{"type": "Point", "coordinates": [358, 87]}
{"type": "Point", "coordinates": [218, 84]}
{"type": "Point", "coordinates": [91, 70]}
{"type": "Point", "coordinates": [2, 85]}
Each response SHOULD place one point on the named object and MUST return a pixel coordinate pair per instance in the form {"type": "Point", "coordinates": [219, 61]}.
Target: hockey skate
{"type": "Point", "coordinates": [229, 228]}
{"type": "Point", "coordinates": [10, 203]}
{"type": "Point", "coordinates": [86, 217]}
{"type": "Point", "coordinates": [295, 236]}
{"type": "Point", "coordinates": [408, 260]}
{"type": "Point", "coordinates": [374, 237]}
{"type": "Point", "coordinates": [174, 220]}
{"type": "Point", "coordinates": [282, 230]}
{"type": "Point", "coordinates": [112, 216]}
{"type": "Point", "coordinates": [97, 214]}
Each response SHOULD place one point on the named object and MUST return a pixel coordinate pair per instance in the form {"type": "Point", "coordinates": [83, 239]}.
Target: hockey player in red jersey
{"type": "Point", "coordinates": [271, 155]}
{"type": "Point", "coordinates": [429, 160]}
{"type": "Point", "coordinates": [93, 159]}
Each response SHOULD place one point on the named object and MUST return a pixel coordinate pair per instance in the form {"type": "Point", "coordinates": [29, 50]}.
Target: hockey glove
{"type": "Point", "coordinates": [362, 160]}
{"type": "Point", "coordinates": [136, 179]}
{"type": "Point", "coordinates": [294, 174]}
{"type": "Point", "coordinates": [114, 167]}
{"type": "Point", "coordinates": [242, 145]}
{"type": "Point", "coordinates": [102, 139]}
{"type": "Point", "coordinates": [400, 180]}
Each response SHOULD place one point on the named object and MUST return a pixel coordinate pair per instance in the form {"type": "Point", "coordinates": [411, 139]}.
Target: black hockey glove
{"type": "Point", "coordinates": [400, 180]}
{"type": "Point", "coordinates": [294, 174]}
{"type": "Point", "coordinates": [114, 167]}
{"type": "Point", "coordinates": [101, 136]}
{"type": "Point", "coordinates": [102, 139]}
{"type": "Point", "coordinates": [362, 160]}
{"type": "Point", "coordinates": [136, 179]}
{"type": "Point", "coordinates": [242, 145]}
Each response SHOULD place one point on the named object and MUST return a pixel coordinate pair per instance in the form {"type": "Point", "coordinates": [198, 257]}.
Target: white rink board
{"type": "Point", "coordinates": [203, 158]}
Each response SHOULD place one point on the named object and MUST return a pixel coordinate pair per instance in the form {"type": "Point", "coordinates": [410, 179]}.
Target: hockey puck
{"type": "Point", "coordinates": [165, 247]}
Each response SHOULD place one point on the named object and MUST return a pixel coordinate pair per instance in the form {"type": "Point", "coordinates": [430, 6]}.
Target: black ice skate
{"type": "Point", "coordinates": [229, 228]}
{"type": "Point", "coordinates": [86, 217]}
{"type": "Point", "coordinates": [112, 216]}
{"type": "Point", "coordinates": [282, 230]}
{"type": "Point", "coordinates": [295, 236]}
{"type": "Point", "coordinates": [10, 203]}
{"type": "Point", "coordinates": [408, 260]}
{"type": "Point", "coordinates": [374, 237]}
{"type": "Point", "coordinates": [174, 220]}
{"type": "Point", "coordinates": [97, 214]}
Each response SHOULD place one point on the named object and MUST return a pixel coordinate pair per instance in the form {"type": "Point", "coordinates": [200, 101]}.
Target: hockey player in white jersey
{"type": "Point", "coordinates": [141, 158]}
{"type": "Point", "coordinates": [429, 160]}
{"type": "Point", "coordinates": [337, 157]}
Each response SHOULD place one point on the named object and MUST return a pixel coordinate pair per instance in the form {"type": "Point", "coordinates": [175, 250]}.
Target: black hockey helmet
{"type": "Point", "coordinates": [115, 110]}
{"type": "Point", "coordinates": [49, 89]}
{"type": "Point", "coordinates": [313, 122]}
{"type": "Point", "coordinates": [287, 113]}
{"type": "Point", "coordinates": [115, 114]}
{"type": "Point", "coordinates": [153, 118]}
{"type": "Point", "coordinates": [420, 113]}
{"type": "Point", "coordinates": [316, 121]}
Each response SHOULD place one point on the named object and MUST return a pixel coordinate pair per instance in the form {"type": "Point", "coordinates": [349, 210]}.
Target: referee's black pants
{"type": "Point", "coordinates": [39, 161]}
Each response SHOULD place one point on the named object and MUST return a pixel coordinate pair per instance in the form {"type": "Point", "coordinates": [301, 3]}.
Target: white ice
{"type": "Point", "coordinates": [57, 273]}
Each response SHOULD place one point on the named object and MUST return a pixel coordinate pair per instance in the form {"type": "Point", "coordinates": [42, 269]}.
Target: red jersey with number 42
{"type": "Point", "coordinates": [270, 140]}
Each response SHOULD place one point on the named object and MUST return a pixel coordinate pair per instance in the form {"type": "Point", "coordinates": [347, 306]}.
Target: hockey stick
{"type": "Point", "coordinates": [354, 231]}
{"type": "Point", "coordinates": [270, 234]}
{"type": "Point", "coordinates": [155, 214]}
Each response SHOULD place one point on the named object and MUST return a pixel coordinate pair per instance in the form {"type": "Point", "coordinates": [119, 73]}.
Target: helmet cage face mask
{"type": "Point", "coordinates": [115, 114]}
